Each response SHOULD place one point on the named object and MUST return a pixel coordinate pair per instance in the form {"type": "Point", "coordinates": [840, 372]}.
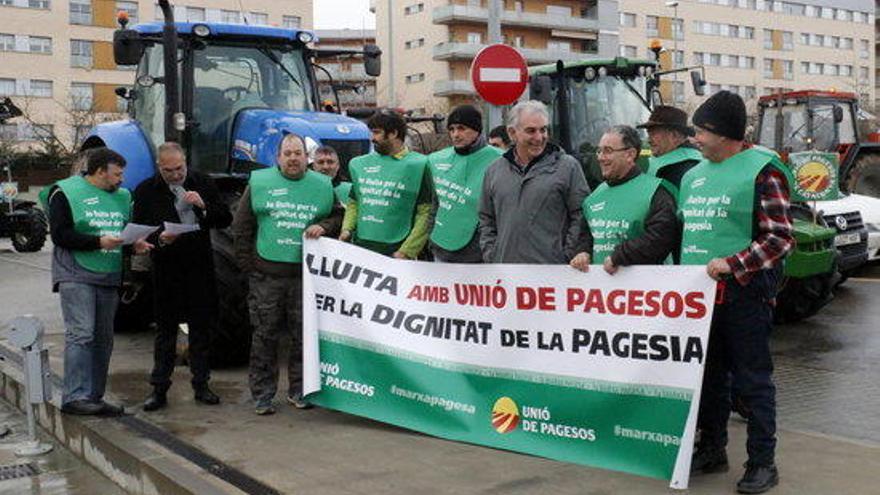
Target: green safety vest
{"type": "Point", "coordinates": [284, 208]}
{"type": "Point", "coordinates": [342, 191]}
{"type": "Point", "coordinates": [617, 213]}
{"type": "Point", "coordinates": [678, 155]}
{"type": "Point", "coordinates": [95, 212]}
{"type": "Point", "coordinates": [716, 204]}
{"type": "Point", "coordinates": [458, 181]}
{"type": "Point", "coordinates": [386, 190]}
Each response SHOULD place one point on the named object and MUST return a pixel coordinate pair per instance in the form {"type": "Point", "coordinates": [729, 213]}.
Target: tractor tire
{"type": "Point", "coordinates": [31, 236]}
{"type": "Point", "coordinates": [231, 342]}
{"type": "Point", "coordinates": [864, 178]}
{"type": "Point", "coordinates": [800, 298]}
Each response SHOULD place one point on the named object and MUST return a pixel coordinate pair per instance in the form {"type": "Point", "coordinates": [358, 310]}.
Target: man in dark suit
{"type": "Point", "coordinates": [183, 270]}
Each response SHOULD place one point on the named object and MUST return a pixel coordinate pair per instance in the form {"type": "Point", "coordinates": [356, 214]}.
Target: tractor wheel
{"type": "Point", "coordinates": [800, 298]}
{"type": "Point", "coordinates": [31, 235]}
{"type": "Point", "coordinates": [864, 178]}
{"type": "Point", "coordinates": [231, 342]}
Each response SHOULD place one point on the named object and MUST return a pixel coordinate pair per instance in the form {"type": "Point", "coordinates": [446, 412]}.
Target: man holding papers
{"type": "Point", "coordinates": [87, 214]}
{"type": "Point", "coordinates": [186, 205]}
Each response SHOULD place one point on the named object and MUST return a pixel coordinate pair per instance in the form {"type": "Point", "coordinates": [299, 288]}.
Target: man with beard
{"type": "Point", "coordinates": [458, 180]}
{"type": "Point", "coordinates": [268, 229]}
{"type": "Point", "coordinates": [390, 203]}
{"type": "Point", "coordinates": [530, 207]}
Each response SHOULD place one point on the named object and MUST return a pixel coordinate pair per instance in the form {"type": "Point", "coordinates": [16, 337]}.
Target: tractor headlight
{"type": "Point", "coordinates": [201, 30]}
{"type": "Point", "coordinates": [305, 37]}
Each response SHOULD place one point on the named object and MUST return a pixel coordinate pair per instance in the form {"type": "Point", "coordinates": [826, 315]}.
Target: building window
{"type": "Point", "coordinates": [81, 12]}
{"type": "Point", "coordinates": [475, 38]}
{"type": "Point", "coordinates": [7, 43]}
{"type": "Point", "coordinates": [832, 69]}
{"type": "Point", "coordinates": [678, 58]}
{"type": "Point", "coordinates": [38, 4]}
{"type": "Point", "coordinates": [130, 8]}
{"type": "Point", "coordinates": [863, 74]}
{"type": "Point", "coordinates": [678, 29]}
{"type": "Point", "coordinates": [291, 21]}
{"type": "Point", "coordinates": [651, 25]}
{"type": "Point", "coordinates": [81, 53]}
{"type": "Point", "coordinates": [558, 45]}
{"type": "Point", "coordinates": [768, 39]}
{"type": "Point", "coordinates": [558, 10]}
{"type": "Point", "coordinates": [863, 49]}
{"type": "Point", "coordinates": [40, 88]}
{"type": "Point", "coordinates": [7, 86]}
{"type": "Point", "coordinates": [82, 96]}
{"type": "Point", "coordinates": [518, 41]}
{"type": "Point", "coordinates": [629, 51]}
{"type": "Point", "coordinates": [678, 91]}
{"type": "Point", "coordinates": [414, 9]}
{"type": "Point", "coordinates": [415, 78]}
{"type": "Point", "coordinates": [195, 14]}
{"type": "Point", "coordinates": [518, 6]}
{"type": "Point", "coordinates": [787, 69]}
{"type": "Point", "coordinates": [768, 68]}
{"type": "Point", "coordinates": [627, 19]}
{"type": "Point", "coordinates": [416, 43]}
{"type": "Point", "coordinates": [230, 16]}
{"type": "Point", "coordinates": [846, 43]}
{"type": "Point", "coordinates": [39, 44]}
{"type": "Point", "coordinates": [258, 18]}
{"type": "Point", "coordinates": [8, 132]}
{"type": "Point", "coordinates": [846, 70]}
{"type": "Point", "coordinates": [827, 13]}
{"type": "Point", "coordinates": [805, 67]}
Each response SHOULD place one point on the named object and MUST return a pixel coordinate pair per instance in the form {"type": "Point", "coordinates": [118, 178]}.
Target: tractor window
{"type": "Point", "coordinates": [149, 103]}
{"type": "Point", "coordinates": [795, 134]}
{"type": "Point", "coordinates": [228, 79]}
{"type": "Point", "coordinates": [828, 135]}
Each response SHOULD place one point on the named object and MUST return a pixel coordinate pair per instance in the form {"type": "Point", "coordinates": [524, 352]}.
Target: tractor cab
{"type": "Point", "coordinates": [808, 120]}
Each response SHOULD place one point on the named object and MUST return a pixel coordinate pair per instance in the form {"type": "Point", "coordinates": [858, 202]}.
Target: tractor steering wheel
{"type": "Point", "coordinates": [234, 93]}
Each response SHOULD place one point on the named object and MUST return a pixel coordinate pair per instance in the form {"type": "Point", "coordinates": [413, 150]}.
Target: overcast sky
{"type": "Point", "coordinates": [341, 14]}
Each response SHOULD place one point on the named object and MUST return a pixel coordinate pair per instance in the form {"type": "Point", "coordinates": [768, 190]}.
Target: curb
{"type": "Point", "coordinates": [135, 463]}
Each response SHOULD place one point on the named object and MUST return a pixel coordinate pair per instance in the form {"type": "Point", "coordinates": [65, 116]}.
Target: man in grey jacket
{"type": "Point", "coordinates": [530, 208]}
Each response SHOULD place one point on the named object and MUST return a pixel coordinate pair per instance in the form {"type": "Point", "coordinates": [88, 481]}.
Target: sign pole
{"type": "Point", "coordinates": [494, 31]}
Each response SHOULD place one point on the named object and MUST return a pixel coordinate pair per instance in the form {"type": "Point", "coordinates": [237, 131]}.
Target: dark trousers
{"type": "Point", "coordinates": [275, 309]}
{"type": "Point", "coordinates": [739, 349]}
{"type": "Point", "coordinates": [183, 294]}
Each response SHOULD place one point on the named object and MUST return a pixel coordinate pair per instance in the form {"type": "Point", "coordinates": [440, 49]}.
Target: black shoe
{"type": "Point", "coordinates": [157, 400]}
{"type": "Point", "coordinates": [108, 409]}
{"type": "Point", "coordinates": [82, 408]}
{"type": "Point", "coordinates": [709, 460]}
{"type": "Point", "coordinates": [206, 396]}
{"type": "Point", "coordinates": [758, 479]}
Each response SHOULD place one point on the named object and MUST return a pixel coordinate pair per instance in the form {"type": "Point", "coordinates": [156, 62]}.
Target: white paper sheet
{"type": "Point", "coordinates": [181, 228]}
{"type": "Point", "coordinates": [135, 231]}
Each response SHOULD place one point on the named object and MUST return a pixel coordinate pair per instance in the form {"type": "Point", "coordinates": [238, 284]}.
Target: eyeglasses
{"type": "Point", "coordinates": [608, 151]}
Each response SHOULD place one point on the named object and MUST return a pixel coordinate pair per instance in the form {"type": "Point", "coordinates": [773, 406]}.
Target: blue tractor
{"type": "Point", "coordinates": [228, 94]}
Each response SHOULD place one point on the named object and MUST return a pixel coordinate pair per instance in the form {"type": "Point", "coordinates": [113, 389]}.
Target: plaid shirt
{"type": "Point", "coordinates": [774, 232]}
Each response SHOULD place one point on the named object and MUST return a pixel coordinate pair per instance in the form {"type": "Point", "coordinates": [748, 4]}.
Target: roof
{"type": "Point", "coordinates": [222, 30]}
{"type": "Point", "coordinates": [618, 62]}
{"type": "Point", "coordinates": [809, 93]}
{"type": "Point", "coordinates": [346, 34]}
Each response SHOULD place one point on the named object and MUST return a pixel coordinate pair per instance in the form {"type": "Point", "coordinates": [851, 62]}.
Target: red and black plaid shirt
{"type": "Point", "coordinates": [775, 237]}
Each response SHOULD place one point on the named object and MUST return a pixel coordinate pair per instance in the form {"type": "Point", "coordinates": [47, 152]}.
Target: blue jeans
{"type": "Point", "coordinates": [88, 312]}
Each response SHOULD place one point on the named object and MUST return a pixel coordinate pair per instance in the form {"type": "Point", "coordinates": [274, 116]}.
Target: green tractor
{"type": "Point", "coordinates": [587, 97]}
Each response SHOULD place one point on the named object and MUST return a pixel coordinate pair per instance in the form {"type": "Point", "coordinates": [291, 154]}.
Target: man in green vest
{"type": "Point", "coordinates": [672, 154]}
{"type": "Point", "coordinates": [458, 173]}
{"type": "Point", "coordinates": [87, 214]}
{"type": "Point", "coordinates": [390, 203]}
{"type": "Point", "coordinates": [280, 205]}
{"type": "Point", "coordinates": [326, 161]}
{"type": "Point", "coordinates": [631, 218]}
{"type": "Point", "coordinates": [735, 208]}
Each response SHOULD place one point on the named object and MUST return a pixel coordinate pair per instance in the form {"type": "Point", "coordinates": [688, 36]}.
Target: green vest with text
{"type": "Point", "coordinates": [458, 181]}
{"type": "Point", "coordinates": [284, 208]}
{"type": "Point", "coordinates": [678, 155]}
{"type": "Point", "coordinates": [716, 204]}
{"type": "Point", "coordinates": [617, 213]}
{"type": "Point", "coordinates": [386, 190]}
{"type": "Point", "coordinates": [342, 191]}
{"type": "Point", "coordinates": [95, 212]}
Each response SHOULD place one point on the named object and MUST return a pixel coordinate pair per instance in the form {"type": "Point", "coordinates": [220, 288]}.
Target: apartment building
{"type": "Point", "coordinates": [353, 86]}
{"type": "Point", "coordinates": [56, 56]}
{"type": "Point", "coordinates": [756, 47]}
{"type": "Point", "coordinates": [428, 45]}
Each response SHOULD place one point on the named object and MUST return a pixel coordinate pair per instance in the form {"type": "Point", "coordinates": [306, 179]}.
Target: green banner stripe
{"type": "Point", "coordinates": [616, 388]}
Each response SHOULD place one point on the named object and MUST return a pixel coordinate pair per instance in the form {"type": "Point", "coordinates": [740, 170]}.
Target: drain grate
{"type": "Point", "coordinates": [15, 471]}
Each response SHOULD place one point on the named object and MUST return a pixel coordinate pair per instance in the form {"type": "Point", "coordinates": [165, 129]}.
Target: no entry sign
{"type": "Point", "coordinates": [499, 74]}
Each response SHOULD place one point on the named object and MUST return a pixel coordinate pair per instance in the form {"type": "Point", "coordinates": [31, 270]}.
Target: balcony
{"type": "Point", "coordinates": [453, 88]}
{"type": "Point", "coordinates": [467, 51]}
{"type": "Point", "coordinates": [454, 14]}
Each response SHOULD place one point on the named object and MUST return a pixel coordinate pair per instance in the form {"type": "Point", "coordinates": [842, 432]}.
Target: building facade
{"type": "Point", "coordinates": [756, 47]}
{"type": "Point", "coordinates": [56, 56]}
{"type": "Point", "coordinates": [354, 87]}
{"type": "Point", "coordinates": [428, 45]}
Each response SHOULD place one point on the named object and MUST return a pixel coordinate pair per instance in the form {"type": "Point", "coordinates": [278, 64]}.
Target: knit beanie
{"type": "Point", "coordinates": [724, 114]}
{"type": "Point", "coordinates": [466, 115]}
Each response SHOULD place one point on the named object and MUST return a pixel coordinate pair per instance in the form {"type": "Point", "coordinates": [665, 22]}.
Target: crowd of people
{"type": "Point", "coordinates": [506, 196]}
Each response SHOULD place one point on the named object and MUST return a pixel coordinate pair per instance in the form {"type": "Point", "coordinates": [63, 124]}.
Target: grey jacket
{"type": "Point", "coordinates": [532, 214]}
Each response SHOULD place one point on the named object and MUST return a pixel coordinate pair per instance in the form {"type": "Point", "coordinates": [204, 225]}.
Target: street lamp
{"type": "Point", "coordinates": [674, 5]}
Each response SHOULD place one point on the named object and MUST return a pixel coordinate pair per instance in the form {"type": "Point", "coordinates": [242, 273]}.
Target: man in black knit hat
{"type": "Point", "coordinates": [735, 209]}
{"type": "Point", "coordinates": [458, 172]}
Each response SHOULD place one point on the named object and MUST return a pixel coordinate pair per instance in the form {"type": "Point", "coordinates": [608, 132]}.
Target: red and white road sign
{"type": "Point", "coordinates": [499, 74]}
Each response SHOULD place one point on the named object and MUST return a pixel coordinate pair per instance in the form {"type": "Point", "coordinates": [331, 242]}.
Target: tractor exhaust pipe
{"type": "Point", "coordinates": [172, 100]}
